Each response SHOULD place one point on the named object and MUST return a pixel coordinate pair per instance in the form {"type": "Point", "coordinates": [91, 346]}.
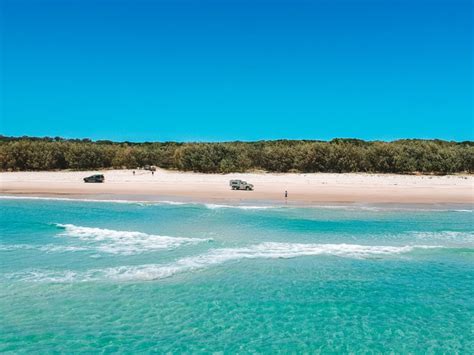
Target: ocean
{"type": "Point", "coordinates": [118, 276]}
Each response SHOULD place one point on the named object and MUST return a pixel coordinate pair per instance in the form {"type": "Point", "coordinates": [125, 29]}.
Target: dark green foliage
{"type": "Point", "coordinates": [212, 157]}
{"type": "Point", "coordinates": [338, 155]}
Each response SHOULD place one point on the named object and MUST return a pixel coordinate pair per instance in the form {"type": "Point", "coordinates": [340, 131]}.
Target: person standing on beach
{"type": "Point", "coordinates": [286, 194]}
{"type": "Point", "coordinates": [133, 172]}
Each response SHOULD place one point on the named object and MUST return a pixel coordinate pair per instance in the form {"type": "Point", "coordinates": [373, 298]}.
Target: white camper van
{"type": "Point", "coordinates": [240, 185]}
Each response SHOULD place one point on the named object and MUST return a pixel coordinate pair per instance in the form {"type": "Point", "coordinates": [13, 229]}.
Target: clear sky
{"type": "Point", "coordinates": [237, 70]}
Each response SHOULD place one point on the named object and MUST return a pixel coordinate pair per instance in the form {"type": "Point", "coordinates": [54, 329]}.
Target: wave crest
{"type": "Point", "coordinates": [270, 250]}
{"type": "Point", "coordinates": [451, 236]}
{"type": "Point", "coordinates": [47, 248]}
{"type": "Point", "coordinates": [124, 242]}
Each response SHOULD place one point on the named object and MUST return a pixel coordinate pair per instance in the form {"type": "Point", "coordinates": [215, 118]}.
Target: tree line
{"type": "Point", "coordinates": [338, 155]}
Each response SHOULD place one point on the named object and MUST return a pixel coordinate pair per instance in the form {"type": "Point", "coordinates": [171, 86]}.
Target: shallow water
{"type": "Point", "coordinates": [82, 276]}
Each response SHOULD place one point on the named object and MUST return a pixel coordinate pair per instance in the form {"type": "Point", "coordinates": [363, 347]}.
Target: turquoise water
{"type": "Point", "coordinates": [81, 276]}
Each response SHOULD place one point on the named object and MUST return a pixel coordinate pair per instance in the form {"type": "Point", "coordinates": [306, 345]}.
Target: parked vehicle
{"type": "Point", "coordinates": [95, 178]}
{"type": "Point", "coordinates": [240, 185]}
{"type": "Point", "coordinates": [149, 167]}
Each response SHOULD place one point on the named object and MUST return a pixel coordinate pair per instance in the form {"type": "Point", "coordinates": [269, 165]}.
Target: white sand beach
{"type": "Point", "coordinates": [302, 188]}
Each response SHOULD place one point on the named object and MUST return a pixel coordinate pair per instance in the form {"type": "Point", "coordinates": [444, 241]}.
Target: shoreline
{"type": "Point", "coordinates": [303, 189]}
{"type": "Point", "coordinates": [248, 204]}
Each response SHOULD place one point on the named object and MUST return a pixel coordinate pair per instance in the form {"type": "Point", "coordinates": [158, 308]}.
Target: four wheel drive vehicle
{"type": "Point", "coordinates": [95, 178]}
{"type": "Point", "coordinates": [240, 185]}
{"type": "Point", "coordinates": [149, 167]}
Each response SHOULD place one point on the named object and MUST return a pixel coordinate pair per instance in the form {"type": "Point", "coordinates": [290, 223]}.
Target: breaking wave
{"type": "Point", "coordinates": [43, 198]}
{"type": "Point", "coordinates": [70, 199]}
{"type": "Point", "coordinates": [124, 242]}
{"type": "Point", "coordinates": [451, 236]}
{"type": "Point", "coordinates": [213, 206]}
{"type": "Point", "coordinates": [139, 202]}
{"type": "Point", "coordinates": [48, 248]}
{"type": "Point", "coordinates": [214, 257]}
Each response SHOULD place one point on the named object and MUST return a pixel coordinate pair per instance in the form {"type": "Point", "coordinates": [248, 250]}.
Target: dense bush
{"type": "Point", "coordinates": [338, 155]}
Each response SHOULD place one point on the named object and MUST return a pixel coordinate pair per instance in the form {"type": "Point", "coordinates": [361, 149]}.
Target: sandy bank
{"type": "Point", "coordinates": [304, 188]}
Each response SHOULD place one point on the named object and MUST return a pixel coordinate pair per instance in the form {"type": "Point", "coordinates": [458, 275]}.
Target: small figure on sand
{"type": "Point", "coordinates": [133, 172]}
{"type": "Point", "coordinates": [286, 194]}
{"type": "Point", "coordinates": [152, 173]}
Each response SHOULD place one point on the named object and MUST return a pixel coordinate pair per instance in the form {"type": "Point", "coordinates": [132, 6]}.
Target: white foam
{"type": "Point", "coordinates": [70, 199]}
{"type": "Point", "coordinates": [63, 276]}
{"type": "Point", "coordinates": [174, 203]}
{"type": "Point", "coordinates": [124, 242]}
{"type": "Point", "coordinates": [213, 206]}
{"type": "Point", "coordinates": [48, 248]}
{"type": "Point", "coordinates": [214, 257]}
{"type": "Point", "coordinates": [137, 202]}
{"type": "Point", "coordinates": [444, 235]}
{"type": "Point", "coordinates": [41, 198]}
{"type": "Point", "coordinates": [260, 251]}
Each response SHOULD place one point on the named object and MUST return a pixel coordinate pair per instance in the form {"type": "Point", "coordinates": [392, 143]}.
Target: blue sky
{"type": "Point", "coordinates": [237, 70]}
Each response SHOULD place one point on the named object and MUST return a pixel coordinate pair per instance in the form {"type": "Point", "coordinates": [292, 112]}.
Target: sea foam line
{"type": "Point", "coordinates": [124, 242]}
{"type": "Point", "coordinates": [47, 248]}
{"type": "Point", "coordinates": [70, 199]}
{"type": "Point", "coordinates": [444, 235]}
{"type": "Point", "coordinates": [43, 198]}
{"type": "Point", "coordinates": [213, 206]}
{"type": "Point", "coordinates": [268, 250]}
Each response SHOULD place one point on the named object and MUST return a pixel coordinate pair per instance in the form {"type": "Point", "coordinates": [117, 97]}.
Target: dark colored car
{"type": "Point", "coordinates": [95, 178]}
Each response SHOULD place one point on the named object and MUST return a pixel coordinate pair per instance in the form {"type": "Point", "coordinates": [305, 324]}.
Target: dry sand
{"type": "Point", "coordinates": [302, 188]}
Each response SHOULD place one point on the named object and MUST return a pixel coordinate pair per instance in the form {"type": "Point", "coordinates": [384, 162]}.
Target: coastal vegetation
{"type": "Point", "coordinates": [338, 155]}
